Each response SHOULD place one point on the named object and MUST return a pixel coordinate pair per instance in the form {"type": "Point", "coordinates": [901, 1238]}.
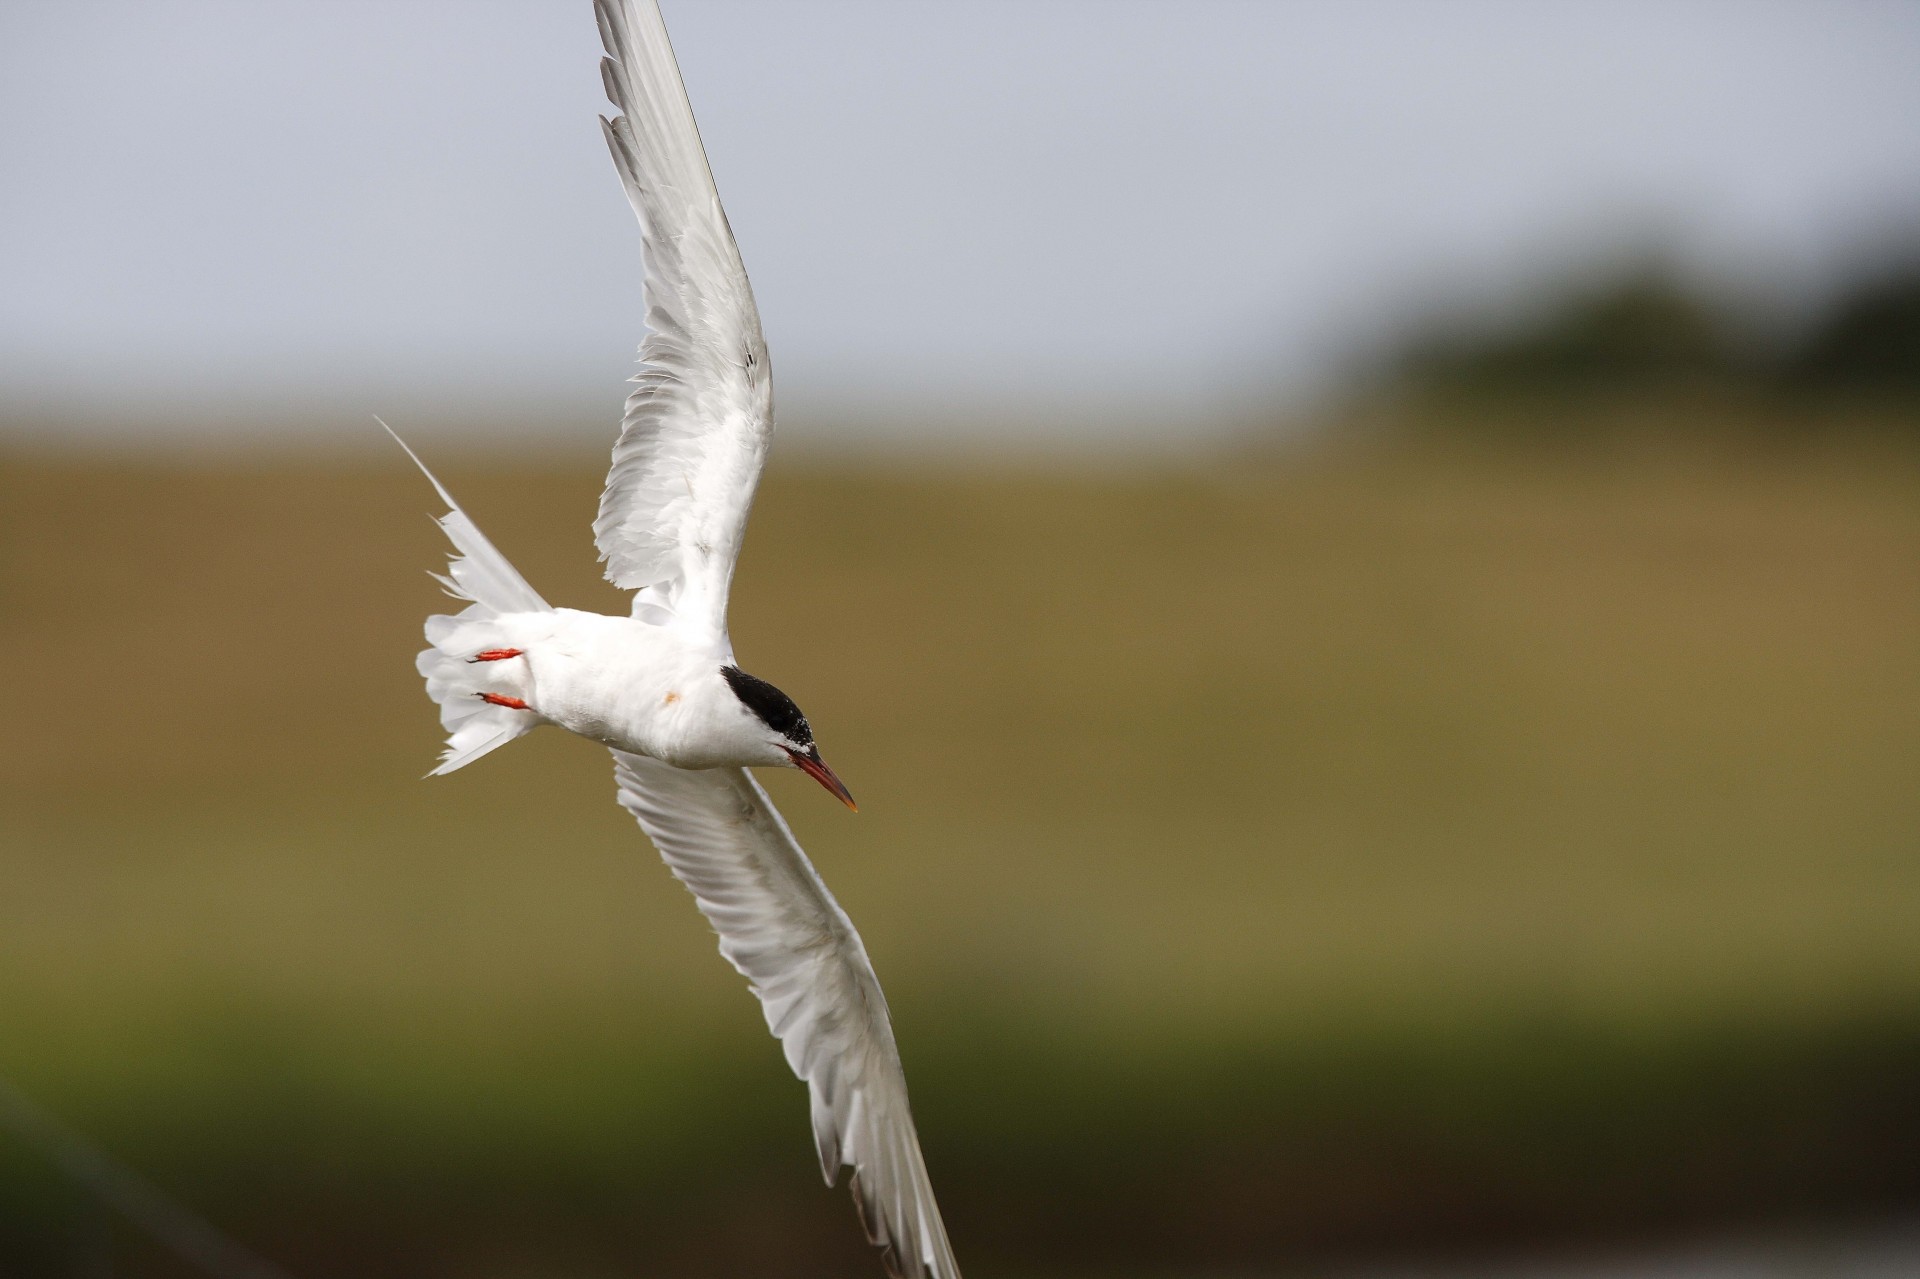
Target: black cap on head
{"type": "Point", "coordinates": [774, 708]}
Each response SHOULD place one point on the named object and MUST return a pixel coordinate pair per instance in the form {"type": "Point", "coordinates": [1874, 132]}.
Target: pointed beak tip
{"type": "Point", "coordinates": [813, 766]}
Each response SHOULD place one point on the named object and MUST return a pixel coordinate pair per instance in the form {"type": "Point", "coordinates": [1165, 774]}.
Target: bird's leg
{"type": "Point", "coordinates": [501, 699]}
{"type": "Point", "coordinates": [495, 655]}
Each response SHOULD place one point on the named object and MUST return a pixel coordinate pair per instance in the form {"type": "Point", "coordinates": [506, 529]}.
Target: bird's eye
{"type": "Point", "coordinates": [773, 707]}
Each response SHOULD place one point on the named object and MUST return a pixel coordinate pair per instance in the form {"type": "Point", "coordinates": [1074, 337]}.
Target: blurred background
{"type": "Point", "coordinates": [1362, 559]}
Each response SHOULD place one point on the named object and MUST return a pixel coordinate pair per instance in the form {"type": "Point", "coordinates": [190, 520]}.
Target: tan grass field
{"type": "Point", "coordinates": [1177, 793]}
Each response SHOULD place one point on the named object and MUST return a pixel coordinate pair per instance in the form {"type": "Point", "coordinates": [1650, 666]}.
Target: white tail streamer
{"type": "Point", "coordinates": [478, 572]}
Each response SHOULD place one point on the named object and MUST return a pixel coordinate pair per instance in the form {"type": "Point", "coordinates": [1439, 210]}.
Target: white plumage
{"type": "Point", "coordinates": [786, 934]}
{"type": "Point", "coordinates": [701, 413]}
{"type": "Point", "coordinates": [660, 687]}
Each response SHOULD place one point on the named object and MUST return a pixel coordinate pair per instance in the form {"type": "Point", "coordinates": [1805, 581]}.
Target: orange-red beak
{"type": "Point", "coordinates": [812, 765]}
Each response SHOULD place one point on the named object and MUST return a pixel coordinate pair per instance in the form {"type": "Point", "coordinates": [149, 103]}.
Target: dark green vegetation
{"type": "Point", "coordinates": [1646, 331]}
{"type": "Point", "coordinates": [1363, 855]}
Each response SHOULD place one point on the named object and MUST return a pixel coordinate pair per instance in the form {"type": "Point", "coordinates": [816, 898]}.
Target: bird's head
{"type": "Point", "coordinates": [786, 728]}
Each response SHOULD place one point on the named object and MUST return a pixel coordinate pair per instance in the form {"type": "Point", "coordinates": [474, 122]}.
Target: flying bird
{"type": "Point", "coordinates": [660, 688]}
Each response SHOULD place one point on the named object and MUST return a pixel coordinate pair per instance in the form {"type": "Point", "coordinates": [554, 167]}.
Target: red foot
{"type": "Point", "coordinates": [495, 655]}
{"type": "Point", "coordinates": [501, 699]}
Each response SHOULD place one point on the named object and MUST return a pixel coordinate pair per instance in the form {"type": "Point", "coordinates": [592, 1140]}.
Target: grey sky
{"type": "Point", "coordinates": [1145, 213]}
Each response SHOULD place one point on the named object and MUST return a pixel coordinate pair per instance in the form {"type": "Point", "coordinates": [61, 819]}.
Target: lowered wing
{"type": "Point", "coordinates": [700, 416]}
{"type": "Point", "coordinates": [778, 924]}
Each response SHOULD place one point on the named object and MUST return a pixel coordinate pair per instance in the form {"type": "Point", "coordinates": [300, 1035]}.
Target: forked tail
{"type": "Point", "coordinates": [481, 574]}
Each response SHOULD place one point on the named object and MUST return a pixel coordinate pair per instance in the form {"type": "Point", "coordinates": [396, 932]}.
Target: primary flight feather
{"type": "Point", "coordinates": [661, 687]}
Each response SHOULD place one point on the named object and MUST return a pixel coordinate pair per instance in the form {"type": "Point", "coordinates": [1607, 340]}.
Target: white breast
{"type": "Point", "coordinates": [633, 686]}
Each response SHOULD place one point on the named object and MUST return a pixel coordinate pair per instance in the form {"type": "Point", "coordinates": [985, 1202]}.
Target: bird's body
{"type": "Point", "coordinates": [661, 688]}
{"type": "Point", "coordinates": [630, 685]}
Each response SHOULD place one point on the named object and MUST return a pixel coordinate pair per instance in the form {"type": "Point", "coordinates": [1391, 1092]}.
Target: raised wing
{"type": "Point", "coordinates": [778, 924]}
{"type": "Point", "coordinates": [701, 412]}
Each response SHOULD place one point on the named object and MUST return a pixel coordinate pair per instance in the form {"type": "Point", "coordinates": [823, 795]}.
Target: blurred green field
{"type": "Point", "coordinates": [1264, 862]}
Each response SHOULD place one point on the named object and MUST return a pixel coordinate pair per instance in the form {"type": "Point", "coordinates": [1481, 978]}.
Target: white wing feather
{"type": "Point", "coordinates": [701, 414]}
{"type": "Point", "coordinates": [778, 924]}
{"type": "Point", "coordinates": [671, 520]}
